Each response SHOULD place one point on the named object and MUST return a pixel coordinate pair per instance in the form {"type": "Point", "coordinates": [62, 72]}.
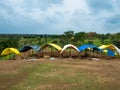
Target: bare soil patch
{"type": "Point", "coordinates": [108, 71]}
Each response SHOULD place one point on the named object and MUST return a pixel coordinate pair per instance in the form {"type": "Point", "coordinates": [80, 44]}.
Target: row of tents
{"type": "Point", "coordinates": [109, 50]}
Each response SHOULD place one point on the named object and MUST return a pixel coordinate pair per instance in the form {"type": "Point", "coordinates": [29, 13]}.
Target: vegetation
{"type": "Point", "coordinates": [61, 74]}
{"type": "Point", "coordinates": [79, 38]}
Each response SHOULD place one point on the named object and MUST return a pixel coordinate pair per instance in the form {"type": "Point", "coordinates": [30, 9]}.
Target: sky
{"type": "Point", "coordinates": [58, 16]}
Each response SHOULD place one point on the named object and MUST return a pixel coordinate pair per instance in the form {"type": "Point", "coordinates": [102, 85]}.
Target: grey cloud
{"type": "Point", "coordinates": [59, 21]}
{"type": "Point", "coordinates": [112, 24]}
{"type": "Point", "coordinates": [100, 5]}
{"type": "Point", "coordinates": [42, 4]}
{"type": "Point", "coordinates": [113, 20]}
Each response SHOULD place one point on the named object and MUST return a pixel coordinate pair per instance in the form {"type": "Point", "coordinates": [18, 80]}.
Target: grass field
{"type": "Point", "coordinates": [60, 74]}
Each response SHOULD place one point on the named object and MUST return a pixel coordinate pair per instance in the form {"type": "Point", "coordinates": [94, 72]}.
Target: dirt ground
{"type": "Point", "coordinates": [108, 70]}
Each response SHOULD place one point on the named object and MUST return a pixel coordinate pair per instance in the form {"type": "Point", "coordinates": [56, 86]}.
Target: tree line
{"type": "Point", "coordinates": [79, 38]}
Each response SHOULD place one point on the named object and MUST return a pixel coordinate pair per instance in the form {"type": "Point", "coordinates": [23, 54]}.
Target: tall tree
{"type": "Point", "coordinates": [80, 36]}
{"type": "Point", "coordinates": [69, 36]}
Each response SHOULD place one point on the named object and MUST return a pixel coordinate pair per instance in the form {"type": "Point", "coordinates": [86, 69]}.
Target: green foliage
{"type": "Point", "coordinates": [69, 36]}
{"type": "Point", "coordinates": [116, 42]}
{"type": "Point", "coordinates": [8, 57]}
{"type": "Point", "coordinates": [116, 39]}
{"type": "Point", "coordinates": [79, 38]}
{"type": "Point", "coordinates": [8, 42]}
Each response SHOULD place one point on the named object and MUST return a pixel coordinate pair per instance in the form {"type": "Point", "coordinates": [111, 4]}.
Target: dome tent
{"type": "Point", "coordinates": [27, 48]}
{"type": "Point", "coordinates": [89, 50]}
{"type": "Point", "coordinates": [110, 50]}
{"type": "Point", "coordinates": [88, 46]}
{"type": "Point", "coordinates": [51, 44]}
{"type": "Point", "coordinates": [9, 51]}
{"type": "Point", "coordinates": [70, 51]}
{"type": "Point", "coordinates": [46, 51]}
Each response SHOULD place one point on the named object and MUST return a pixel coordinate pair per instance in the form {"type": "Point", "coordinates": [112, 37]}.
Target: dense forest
{"type": "Point", "coordinates": [79, 38]}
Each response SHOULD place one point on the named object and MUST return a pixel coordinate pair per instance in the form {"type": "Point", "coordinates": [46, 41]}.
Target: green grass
{"type": "Point", "coordinates": [96, 42]}
{"type": "Point", "coordinates": [7, 57]}
{"type": "Point", "coordinates": [60, 75]}
{"type": "Point", "coordinates": [56, 77]}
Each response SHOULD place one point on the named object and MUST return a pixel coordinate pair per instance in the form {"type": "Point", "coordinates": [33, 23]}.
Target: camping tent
{"type": "Point", "coordinates": [27, 48]}
{"type": "Point", "coordinates": [45, 51]}
{"type": "Point", "coordinates": [110, 48]}
{"type": "Point", "coordinates": [117, 49]}
{"type": "Point", "coordinates": [87, 46]}
{"type": "Point", "coordinates": [89, 50]}
{"type": "Point", "coordinates": [35, 48]}
{"type": "Point", "coordinates": [69, 46]}
{"type": "Point", "coordinates": [51, 44]}
{"type": "Point", "coordinates": [9, 51]}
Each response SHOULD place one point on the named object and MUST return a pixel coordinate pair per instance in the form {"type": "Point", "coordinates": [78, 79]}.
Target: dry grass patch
{"type": "Point", "coordinates": [61, 74]}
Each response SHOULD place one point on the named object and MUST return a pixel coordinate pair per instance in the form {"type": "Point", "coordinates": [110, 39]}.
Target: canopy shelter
{"type": "Point", "coordinates": [27, 48]}
{"type": "Point", "coordinates": [117, 49]}
{"type": "Point", "coordinates": [89, 50]}
{"type": "Point", "coordinates": [9, 51]}
{"type": "Point", "coordinates": [70, 46]}
{"type": "Point", "coordinates": [51, 44]}
{"type": "Point", "coordinates": [87, 46]}
{"type": "Point", "coordinates": [49, 51]}
{"type": "Point", "coordinates": [35, 48]}
{"type": "Point", "coordinates": [29, 51]}
{"type": "Point", "coordinates": [111, 49]}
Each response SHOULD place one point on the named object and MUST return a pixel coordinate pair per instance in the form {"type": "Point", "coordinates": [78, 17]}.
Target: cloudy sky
{"type": "Point", "coordinates": [58, 16]}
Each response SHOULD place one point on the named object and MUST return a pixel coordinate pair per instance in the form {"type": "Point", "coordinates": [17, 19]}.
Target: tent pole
{"type": "Point", "coordinates": [70, 53]}
{"type": "Point", "coordinates": [51, 52]}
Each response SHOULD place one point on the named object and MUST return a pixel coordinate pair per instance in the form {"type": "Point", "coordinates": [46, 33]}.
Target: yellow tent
{"type": "Point", "coordinates": [10, 50]}
{"type": "Point", "coordinates": [108, 46]}
{"type": "Point", "coordinates": [51, 44]}
{"type": "Point", "coordinates": [111, 47]}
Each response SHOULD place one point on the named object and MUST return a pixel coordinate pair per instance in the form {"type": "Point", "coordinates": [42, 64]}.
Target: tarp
{"type": "Point", "coordinates": [69, 46]}
{"type": "Point", "coordinates": [118, 50]}
{"type": "Point", "coordinates": [107, 47]}
{"type": "Point", "coordinates": [9, 51]}
{"type": "Point", "coordinates": [110, 53]}
{"type": "Point", "coordinates": [27, 48]}
{"type": "Point", "coordinates": [36, 48]}
{"type": "Point", "coordinates": [87, 46]}
{"type": "Point", "coordinates": [111, 47]}
{"type": "Point", "coordinates": [51, 44]}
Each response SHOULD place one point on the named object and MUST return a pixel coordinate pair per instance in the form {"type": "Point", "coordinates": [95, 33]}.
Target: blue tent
{"type": "Point", "coordinates": [86, 46]}
{"type": "Point", "coordinates": [110, 53]}
{"type": "Point", "coordinates": [36, 48]}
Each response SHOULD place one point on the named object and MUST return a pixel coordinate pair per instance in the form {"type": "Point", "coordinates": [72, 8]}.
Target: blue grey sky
{"type": "Point", "coordinates": [58, 16]}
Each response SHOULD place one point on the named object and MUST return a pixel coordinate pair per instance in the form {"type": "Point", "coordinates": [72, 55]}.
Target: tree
{"type": "Point", "coordinates": [8, 42]}
{"type": "Point", "coordinates": [116, 39]}
{"type": "Point", "coordinates": [102, 38]}
{"type": "Point", "coordinates": [91, 35]}
{"type": "Point", "coordinates": [80, 36]}
{"type": "Point", "coordinates": [69, 36]}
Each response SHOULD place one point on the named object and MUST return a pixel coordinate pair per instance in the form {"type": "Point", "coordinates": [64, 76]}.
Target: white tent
{"type": "Point", "coordinates": [117, 49]}
{"type": "Point", "coordinates": [69, 46]}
